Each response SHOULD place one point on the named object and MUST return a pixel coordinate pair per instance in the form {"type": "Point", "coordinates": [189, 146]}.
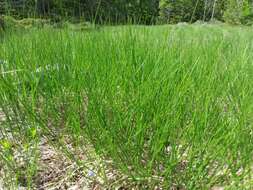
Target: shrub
{"type": "Point", "coordinates": [238, 12]}
{"type": "Point", "coordinates": [30, 22]}
{"type": "Point", "coordinates": [10, 23]}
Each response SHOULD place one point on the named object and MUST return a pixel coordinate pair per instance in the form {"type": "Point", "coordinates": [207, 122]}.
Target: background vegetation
{"type": "Point", "coordinates": [140, 11]}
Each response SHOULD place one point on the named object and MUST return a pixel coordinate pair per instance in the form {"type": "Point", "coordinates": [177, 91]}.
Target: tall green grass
{"type": "Point", "coordinates": [171, 106]}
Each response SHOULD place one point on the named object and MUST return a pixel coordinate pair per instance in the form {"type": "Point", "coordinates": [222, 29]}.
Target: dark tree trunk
{"type": "Point", "coordinates": [2, 24]}
{"type": "Point", "coordinates": [44, 7]}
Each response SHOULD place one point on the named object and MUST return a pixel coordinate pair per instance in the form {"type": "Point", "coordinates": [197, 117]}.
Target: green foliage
{"type": "Point", "coordinates": [10, 23]}
{"type": "Point", "coordinates": [233, 13]}
{"type": "Point", "coordinates": [239, 12]}
{"type": "Point", "coordinates": [102, 11]}
{"type": "Point", "coordinates": [137, 11]}
{"type": "Point", "coordinates": [190, 10]}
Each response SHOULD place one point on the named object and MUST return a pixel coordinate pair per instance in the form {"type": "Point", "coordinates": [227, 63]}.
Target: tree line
{"type": "Point", "coordinates": [137, 11]}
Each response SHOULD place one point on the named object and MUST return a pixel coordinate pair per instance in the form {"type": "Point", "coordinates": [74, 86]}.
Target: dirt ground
{"type": "Point", "coordinates": [55, 171]}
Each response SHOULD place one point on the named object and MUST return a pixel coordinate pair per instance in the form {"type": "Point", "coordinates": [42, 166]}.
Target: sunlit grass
{"type": "Point", "coordinates": [172, 106]}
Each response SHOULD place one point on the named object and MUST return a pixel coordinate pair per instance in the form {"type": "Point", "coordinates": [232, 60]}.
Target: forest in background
{"type": "Point", "coordinates": [137, 11]}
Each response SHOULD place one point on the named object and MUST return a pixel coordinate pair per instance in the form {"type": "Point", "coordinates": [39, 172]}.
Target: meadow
{"type": "Point", "coordinates": [166, 107]}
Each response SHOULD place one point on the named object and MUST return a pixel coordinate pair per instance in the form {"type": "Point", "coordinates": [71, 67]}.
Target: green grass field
{"type": "Point", "coordinates": [171, 107]}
